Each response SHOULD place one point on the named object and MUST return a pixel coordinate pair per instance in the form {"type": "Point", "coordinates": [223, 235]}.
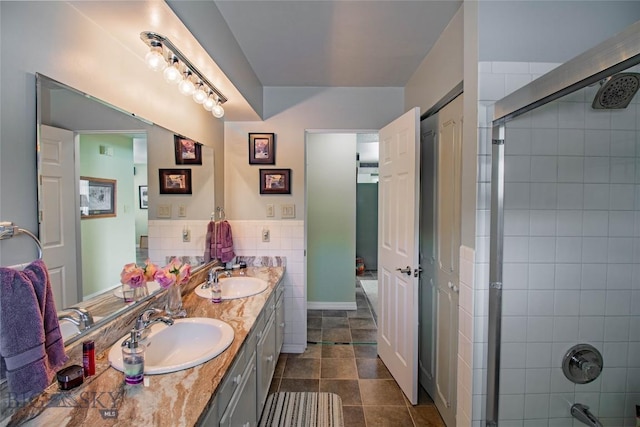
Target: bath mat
{"type": "Point", "coordinates": [303, 409]}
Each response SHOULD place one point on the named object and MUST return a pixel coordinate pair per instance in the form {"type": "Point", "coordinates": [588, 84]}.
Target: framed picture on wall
{"type": "Point", "coordinates": [97, 197]}
{"type": "Point", "coordinates": [175, 181]}
{"type": "Point", "coordinates": [262, 149]}
{"type": "Point", "coordinates": [275, 181]}
{"type": "Point", "coordinates": [188, 152]}
{"type": "Point", "coordinates": [143, 196]}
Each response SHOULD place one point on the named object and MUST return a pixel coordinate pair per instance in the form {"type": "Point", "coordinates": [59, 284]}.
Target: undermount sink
{"type": "Point", "coordinates": [235, 287]}
{"type": "Point", "coordinates": [69, 330]}
{"type": "Point", "coordinates": [187, 343]}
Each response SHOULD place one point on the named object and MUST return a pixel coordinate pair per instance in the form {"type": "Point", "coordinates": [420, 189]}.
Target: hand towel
{"type": "Point", "coordinates": [224, 242]}
{"type": "Point", "coordinates": [210, 249]}
{"type": "Point", "coordinates": [31, 344]}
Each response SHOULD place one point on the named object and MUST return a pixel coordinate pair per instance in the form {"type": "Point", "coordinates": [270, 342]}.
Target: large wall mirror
{"type": "Point", "coordinates": [89, 149]}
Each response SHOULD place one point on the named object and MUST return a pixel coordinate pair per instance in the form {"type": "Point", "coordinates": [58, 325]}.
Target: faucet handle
{"type": "Point", "coordinates": [143, 318]}
{"type": "Point", "coordinates": [83, 316]}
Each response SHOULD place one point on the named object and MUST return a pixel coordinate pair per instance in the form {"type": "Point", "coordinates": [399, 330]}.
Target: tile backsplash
{"type": "Point", "coordinates": [286, 239]}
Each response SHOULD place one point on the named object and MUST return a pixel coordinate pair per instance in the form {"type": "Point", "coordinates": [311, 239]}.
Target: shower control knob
{"type": "Point", "coordinates": [582, 364]}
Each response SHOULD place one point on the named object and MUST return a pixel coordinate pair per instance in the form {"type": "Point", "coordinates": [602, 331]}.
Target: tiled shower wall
{"type": "Point", "coordinates": [572, 246]}
{"type": "Point", "coordinates": [286, 240]}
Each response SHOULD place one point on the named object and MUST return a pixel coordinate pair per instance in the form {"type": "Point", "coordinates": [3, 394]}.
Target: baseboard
{"type": "Point", "coordinates": [321, 305]}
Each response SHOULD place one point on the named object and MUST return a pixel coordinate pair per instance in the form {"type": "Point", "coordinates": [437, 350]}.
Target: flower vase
{"type": "Point", "coordinates": [174, 302]}
{"type": "Point", "coordinates": [141, 292]}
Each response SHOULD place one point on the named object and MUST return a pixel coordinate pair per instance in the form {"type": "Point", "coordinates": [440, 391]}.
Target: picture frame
{"type": "Point", "coordinates": [97, 197]}
{"type": "Point", "coordinates": [262, 150]}
{"type": "Point", "coordinates": [175, 181]}
{"type": "Point", "coordinates": [143, 196]}
{"type": "Point", "coordinates": [275, 181]}
{"type": "Point", "coordinates": [187, 151]}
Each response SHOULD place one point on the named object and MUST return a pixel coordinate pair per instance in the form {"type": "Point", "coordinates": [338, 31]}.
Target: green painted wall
{"type": "Point", "coordinates": [331, 217]}
{"type": "Point", "coordinates": [101, 268]}
{"type": "Point", "coordinates": [142, 215]}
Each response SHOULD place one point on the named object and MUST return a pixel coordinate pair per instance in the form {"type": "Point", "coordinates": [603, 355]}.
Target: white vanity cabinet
{"type": "Point", "coordinates": [266, 360]}
{"type": "Point", "coordinates": [241, 411]}
{"type": "Point", "coordinates": [242, 393]}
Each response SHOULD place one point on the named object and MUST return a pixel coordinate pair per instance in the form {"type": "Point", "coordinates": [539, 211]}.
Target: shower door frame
{"type": "Point", "coordinates": [610, 57]}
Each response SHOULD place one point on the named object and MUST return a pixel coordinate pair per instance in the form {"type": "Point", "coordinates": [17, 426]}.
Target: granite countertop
{"type": "Point", "coordinates": [174, 399]}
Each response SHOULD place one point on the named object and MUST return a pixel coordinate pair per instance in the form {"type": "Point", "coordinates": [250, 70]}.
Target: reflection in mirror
{"type": "Point", "coordinates": [94, 196]}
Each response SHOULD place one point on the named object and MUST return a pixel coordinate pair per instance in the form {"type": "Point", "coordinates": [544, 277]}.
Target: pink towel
{"type": "Point", "coordinates": [224, 242]}
{"type": "Point", "coordinates": [31, 345]}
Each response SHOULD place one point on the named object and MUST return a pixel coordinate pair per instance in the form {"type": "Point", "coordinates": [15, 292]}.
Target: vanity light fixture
{"type": "Point", "coordinates": [177, 69]}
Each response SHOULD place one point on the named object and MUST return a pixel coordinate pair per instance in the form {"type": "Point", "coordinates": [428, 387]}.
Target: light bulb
{"type": "Point", "coordinates": [209, 103]}
{"type": "Point", "coordinates": [172, 74]}
{"type": "Point", "coordinates": [199, 96]}
{"type": "Point", "coordinates": [218, 111]}
{"type": "Point", "coordinates": [186, 86]}
{"type": "Point", "coordinates": [155, 60]}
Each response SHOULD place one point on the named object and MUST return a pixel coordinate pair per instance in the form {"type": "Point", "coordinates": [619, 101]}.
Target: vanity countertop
{"type": "Point", "coordinates": [174, 399]}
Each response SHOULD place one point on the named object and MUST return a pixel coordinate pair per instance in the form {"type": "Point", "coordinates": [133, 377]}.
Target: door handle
{"type": "Point", "coordinates": [406, 270]}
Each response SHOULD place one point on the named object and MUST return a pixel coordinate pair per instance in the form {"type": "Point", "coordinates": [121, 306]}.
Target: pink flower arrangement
{"type": "Point", "coordinates": [136, 276]}
{"type": "Point", "coordinates": [173, 273]}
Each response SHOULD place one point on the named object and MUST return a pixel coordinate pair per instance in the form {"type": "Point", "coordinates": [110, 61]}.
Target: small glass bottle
{"type": "Point", "coordinates": [133, 360]}
{"type": "Point", "coordinates": [89, 358]}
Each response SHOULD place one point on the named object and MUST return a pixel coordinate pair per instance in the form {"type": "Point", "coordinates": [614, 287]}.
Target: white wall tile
{"type": "Point", "coordinates": [571, 115]}
{"type": "Point", "coordinates": [539, 329]}
{"type": "Point", "coordinates": [536, 406]}
{"type": "Point", "coordinates": [568, 249]}
{"type": "Point", "coordinates": [570, 196]}
{"type": "Point", "coordinates": [569, 223]}
{"type": "Point", "coordinates": [571, 142]}
{"type": "Point", "coordinates": [568, 276]}
{"type": "Point", "coordinates": [542, 222]}
{"type": "Point", "coordinates": [539, 303]}
{"type": "Point", "coordinates": [541, 276]}
{"type": "Point", "coordinates": [565, 328]}
{"type": "Point", "coordinates": [597, 142]}
{"type": "Point", "coordinates": [570, 169]}
{"type": "Point", "coordinates": [544, 169]}
{"type": "Point", "coordinates": [566, 303]}
{"type": "Point", "coordinates": [622, 197]}
{"type": "Point", "coordinates": [595, 223]}
{"type": "Point", "coordinates": [543, 142]}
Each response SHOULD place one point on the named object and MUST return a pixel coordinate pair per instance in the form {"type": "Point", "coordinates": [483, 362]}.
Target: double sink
{"type": "Point", "coordinates": [190, 341]}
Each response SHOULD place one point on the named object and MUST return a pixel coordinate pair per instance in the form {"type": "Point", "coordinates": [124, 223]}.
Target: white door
{"type": "Point", "coordinates": [58, 211]}
{"type": "Point", "coordinates": [398, 250]}
{"type": "Point", "coordinates": [448, 256]}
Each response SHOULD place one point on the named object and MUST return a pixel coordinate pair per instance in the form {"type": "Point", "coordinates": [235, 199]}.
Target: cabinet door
{"type": "Point", "coordinates": [279, 325]}
{"type": "Point", "coordinates": [241, 411]}
{"type": "Point", "coordinates": [266, 361]}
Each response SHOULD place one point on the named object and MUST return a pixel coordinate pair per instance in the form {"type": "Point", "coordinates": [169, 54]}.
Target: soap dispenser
{"type": "Point", "coordinates": [133, 359]}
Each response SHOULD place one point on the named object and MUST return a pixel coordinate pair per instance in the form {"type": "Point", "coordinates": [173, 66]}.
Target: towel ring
{"type": "Point", "coordinates": [8, 230]}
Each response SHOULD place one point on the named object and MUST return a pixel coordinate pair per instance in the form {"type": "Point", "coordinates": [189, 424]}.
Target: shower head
{"type": "Point", "coordinates": [617, 91]}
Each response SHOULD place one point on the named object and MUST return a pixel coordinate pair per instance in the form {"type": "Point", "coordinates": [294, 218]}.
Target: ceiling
{"type": "Point", "coordinates": [334, 42]}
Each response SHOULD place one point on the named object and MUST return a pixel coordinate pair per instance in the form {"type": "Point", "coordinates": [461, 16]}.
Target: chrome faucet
{"type": "Point", "coordinates": [214, 274]}
{"type": "Point", "coordinates": [583, 414]}
{"type": "Point", "coordinates": [141, 327]}
{"type": "Point", "coordinates": [84, 320]}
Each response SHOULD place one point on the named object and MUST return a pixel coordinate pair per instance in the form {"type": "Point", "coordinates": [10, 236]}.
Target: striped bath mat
{"type": "Point", "coordinates": [302, 410]}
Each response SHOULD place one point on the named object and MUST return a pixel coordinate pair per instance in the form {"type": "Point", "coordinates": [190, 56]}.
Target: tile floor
{"type": "Point", "coordinates": [341, 357]}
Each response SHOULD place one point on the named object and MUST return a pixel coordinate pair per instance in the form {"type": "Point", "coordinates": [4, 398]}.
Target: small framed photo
{"type": "Point", "coordinates": [188, 152]}
{"type": "Point", "coordinates": [97, 197]}
{"type": "Point", "coordinates": [262, 150]}
{"type": "Point", "coordinates": [275, 181]}
{"type": "Point", "coordinates": [175, 181]}
{"type": "Point", "coordinates": [143, 196]}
